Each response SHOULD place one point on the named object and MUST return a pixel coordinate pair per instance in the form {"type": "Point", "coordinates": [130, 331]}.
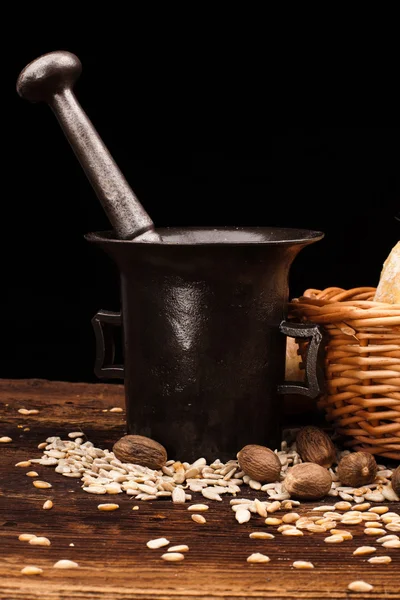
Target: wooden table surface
{"type": "Point", "coordinates": [115, 563]}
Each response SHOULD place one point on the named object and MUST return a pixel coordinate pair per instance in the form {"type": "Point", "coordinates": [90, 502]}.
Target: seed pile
{"type": "Point", "coordinates": [102, 473]}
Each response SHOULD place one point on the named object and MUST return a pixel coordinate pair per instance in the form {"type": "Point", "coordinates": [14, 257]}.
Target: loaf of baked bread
{"type": "Point", "coordinates": [388, 289]}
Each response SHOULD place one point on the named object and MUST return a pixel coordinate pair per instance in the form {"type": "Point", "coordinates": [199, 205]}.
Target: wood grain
{"type": "Point", "coordinates": [115, 563]}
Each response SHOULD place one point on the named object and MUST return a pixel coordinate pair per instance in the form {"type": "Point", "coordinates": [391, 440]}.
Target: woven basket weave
{"type": "Point", "coordinates": [362, 365]}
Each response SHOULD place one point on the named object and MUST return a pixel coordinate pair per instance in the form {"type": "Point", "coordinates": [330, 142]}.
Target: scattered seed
{"type": "Point", "coordinates": [108, 507]}
{"type": "Point", "coordinates": [260, 508]}
{"type": "Point", "coordinates": [32, 474]}
{"type": "Point", "coordinates": [379, 510]}
{"type": "Point", "coordinates": [42, 484]}
{"type": "Point", "coordinates": [172, 556]}
{"type": "Point", "coordinates": [178, 496]}
{"type": "Point", "coordinates": [375, 497]}
{"type": "Point", "coordinates": [157, 543]}
{"type": "Point", "coordinates": [380, 560]}
{"type": "Point", "coordinates": [23, 411]}
{"type": "Point", "coordinates": [135, 507]}
{"type": "Point", "coordinates": [293, 531]}
{"type": "Point", "coordinates": [364, 550]}
{"type": "Point", "coordinates": [39, 541]}
{"type": "Point", "coordinates": [313, 528]}
{"type": "Point", "coordinates": [354, 521]}
{"type": "Point", "coordinates": [364, 506]}
{"type": "Point", "coordinates": [116, 409]}
{"type": "Point", "coordinates": [48, 505]}
{"type": "Point", "coordinates": [334, 539]}
{"type": "Point", "coordinates": [26, 537]}
{"type": "Point", "coordinates": [42, 445]}
{"type": "Point", "coordinates": [283, 528]}
{"type": "Point", "coordinates": [273, 521]}
{"type": "Point", "coordinates": [395, 526]}
{"type": "Point", "coordinates": [387, 538]}
{"type": "Point", "coordinates": [274, 506]}
{"type": "Point", "coordinates": [75, 434]}
{"type": "Point", "coordinates": [290, 518]}
{"type": "Point", "coordinates": [342, 506]}
{"type": "Point", "coordinates": [209, 493]}
{"type": "Point", "coordinates": [198, 519]}
{"type": "Point", "coordinates": [65, 564]}
{"type": "Point", "coordinates": [181, 548]}
{"type": "Point", "coordinates": [5, 440]}
{"type": "Point", "coordinates": [302, 564]}
{"type": "Point", "coordinates": [24, 463]}
{"type": "Point", "coordinates": [360, 586]}
{"type": "Point", "coordinates": [198, 507]}
{"type": "Point", "coordinates": [392, 544]}
{"type": "Point", "coordinates": [373, 524]}
{"type": "Point", "coordinates": [72, 544]}
{"type": "Point", "coordinates": [323, 508]}
{"type": "Point", "coordinates": [258, 558]}
{"type": "Point", "coordinates": [243, 515]}
{"type": "Point", "coordinates": [31, 570]}
{"type": "Point", "coordinates": [373, 531]}
{"type": "Point", "coordinates": [346, 535]}
{"type": "Point", "coordinates": [261, 535]}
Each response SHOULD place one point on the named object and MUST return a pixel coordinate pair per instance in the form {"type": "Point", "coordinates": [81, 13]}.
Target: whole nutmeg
{"type": "Point", "coordinates": [314, 445]}
{"type": "Point", "coordinates": [396, 481]}
{"type": "Point", "coordinates": [308, 481]}
{"type": "Point", "coordinates": [357, 469]}
{"type": "Point", "coordinates": [140, 450]}
{"type": "Point", "coordinates": [259, 463]}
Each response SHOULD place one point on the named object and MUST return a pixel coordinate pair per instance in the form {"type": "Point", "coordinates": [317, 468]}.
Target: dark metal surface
{"type": "Point", "coordinates": [314, 375]}
{"type": "Point", "coordinates": [50, 78]}
{"type": "Point", "coordinates": [203, 350]}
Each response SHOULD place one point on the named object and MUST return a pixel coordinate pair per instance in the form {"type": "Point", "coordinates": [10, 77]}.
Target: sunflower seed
{"type": "Point", "coordinates": [178, 496]}
{"type": "Point", "coordinates": [334, 539]}
{"type": "Point", "coordinates": [380, 560]}
{"type": "Point", "coordinates": [26, 537]}
{"type": "Point", "coordinates": [5, 440]}
{"type": "Point", "coordinates": [172, 556]}
{"type": "Point", "coordinates": [31, 570]}
{"type": "Point", "coordinates": [361, 550]}
{"type": "Point", "coordinates": [157, 543]}
{"type": "Point", "coordinates": [65, 564]}
{"type": "Point", "coordinates": [392, 544]}
{"type": "Point", "coordinates": [198, 519]}
{"type": "Point", "coordinates": [258, 558]}
{"type": "Point", "coordinates": [107, 507]}
{"type": "Point", "coordinates": [243, 515]}
{"type": "Point", "coordinates": [346, 535]}
{"type": "Point", "coordinates": [24, 463]}
{"type": "Point", "coordinates": [302, 564]}
{"type": "Point", "coordinates": [39, 541]}
{"type": "Point", "coordinates": [181, 548]}
{"type": "Point", "coordinates": [32, 474]}
{"type": "Point", "coordinates": [272, 521]}
{"type": "Point", "coordinates": [116, 409]}
{"type": "Point", "coordinates": [198, 507]}
{"type": "Point", "coordinates": [42, 485]}
{"type": "Point", "coordinates": [293, 532]}
{"type": "Point", "coordinates": [360, 586]}
{"type": "Point", "coordinates": [387, 538]}
{"type": "Point", "coordinates": [261, 535]}
{"type": "Point", "coordinates": [48, 505]}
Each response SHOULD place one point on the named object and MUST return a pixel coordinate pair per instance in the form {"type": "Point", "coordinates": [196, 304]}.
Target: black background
{"type": "Point", "coordinates": [186, 171]}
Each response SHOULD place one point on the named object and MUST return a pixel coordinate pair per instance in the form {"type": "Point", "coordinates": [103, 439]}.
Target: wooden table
{"type": "Point", "coordinates": [111, 547]}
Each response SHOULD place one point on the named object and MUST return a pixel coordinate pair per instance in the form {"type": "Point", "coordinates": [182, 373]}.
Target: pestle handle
{"type": "Point", "coordinates": [50, 78]}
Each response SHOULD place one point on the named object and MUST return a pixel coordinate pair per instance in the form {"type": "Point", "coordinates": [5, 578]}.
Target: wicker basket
{"type": "Point", "coordinates": [362, 365]}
